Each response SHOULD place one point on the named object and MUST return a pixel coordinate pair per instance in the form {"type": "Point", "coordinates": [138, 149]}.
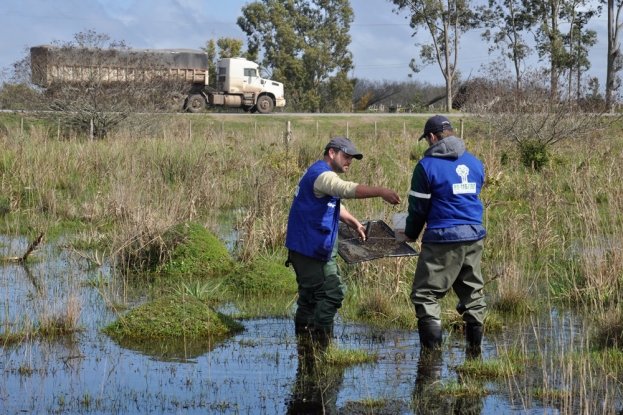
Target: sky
{"type": "Point", "coordinates": [382, 42]}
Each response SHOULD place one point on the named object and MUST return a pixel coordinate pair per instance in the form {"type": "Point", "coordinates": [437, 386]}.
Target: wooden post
{"type": "Point", "coordinates": [316, 129]}
{"type": "Point", "coordinates": [346, 129]}
{"type": "Point", "coordinates": [375, 134]}
{"type": "Point", "coordinates": [58, 131]}
{"type": "Point", "coordinates": [404, 130]}
{"type": "Point", "coordinates": [91, 132]}
{"type": "Point", "coordinates": [223, 128]}
{"type": "Point", "coordinates": [255, 128]}
{"type": "Point", "coordinates": [190, 130]}
{"type": "Point", "coordinates": [288, 133]}
{"type": "Point", "coordinates": [21, 129]}
{"type": "Point", "coordinates": [461, 121]}
{"type": "Point", "coordinates": [288, 137]}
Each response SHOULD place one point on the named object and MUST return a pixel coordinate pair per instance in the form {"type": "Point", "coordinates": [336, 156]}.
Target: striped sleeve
{"type": "Point", "coordinates": [419, 202]}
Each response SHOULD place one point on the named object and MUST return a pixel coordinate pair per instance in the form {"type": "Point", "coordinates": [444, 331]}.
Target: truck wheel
{"type": "Point", "coordinates": [264, 104]}
{"type": "Point", "coordinates": [195, 103]}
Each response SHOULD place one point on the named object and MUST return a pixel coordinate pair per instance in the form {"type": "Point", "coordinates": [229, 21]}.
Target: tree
{"type": "Point", "coordinates": [528, 117]}
{"type": "Point", "coordinates": [227, 48]}
{"type": "Point", "coordinates": [304, 44]}
{"type": "Point", "coordinates": [210, 49]}
{"type": "Point", "coordinates": [578, 40]}
{"type": "Point", "coordinates": [615, 61]}
{"type": "Point", "coordinates": [550, 41]}
{"type": "Point", "coordinates": [94, 84]}
{"type": "Point", "coordinates": [508, 17]}
{"type": "Point", "coordinates": [446, 22]}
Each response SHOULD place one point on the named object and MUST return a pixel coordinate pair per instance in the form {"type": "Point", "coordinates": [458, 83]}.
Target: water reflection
{"type": "Point", "coordinates": [182, 350]}
{"type": "Point", "coordinates": [428, 396]}
{"type": "Point", "coordinates": [317, 385]}
{"type": "Point", "coordinates": [265, 369]}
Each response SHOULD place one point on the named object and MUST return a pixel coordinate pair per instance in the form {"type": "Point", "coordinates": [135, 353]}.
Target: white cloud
{"type": "Point", "coordinates": [381, 40]}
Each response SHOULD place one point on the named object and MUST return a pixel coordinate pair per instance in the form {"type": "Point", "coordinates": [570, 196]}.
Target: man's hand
{"type": "Point", "coordinates": [363, 192]}
{"type": "Point", "coordinates": [361, 230]}
{"type": "Point", "coordinates": [405, 238]}
{"type": "Point", "coordinates": [390, 196]}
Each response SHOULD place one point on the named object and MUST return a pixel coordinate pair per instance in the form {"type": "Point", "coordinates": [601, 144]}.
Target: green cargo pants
{"type": "Point", "coordinates": [451, 265]}
{"type": "Point", "coordinates": [321, 290]}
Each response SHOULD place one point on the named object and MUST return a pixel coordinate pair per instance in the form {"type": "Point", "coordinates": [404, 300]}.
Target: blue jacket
{"type": "Point", "coordinates": [444, 195]}
{"type": "Point", "coordinates": [313, 222]}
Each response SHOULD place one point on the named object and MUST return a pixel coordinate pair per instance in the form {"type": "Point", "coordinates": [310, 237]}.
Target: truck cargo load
{"type": "Point", "coordinates": [238, 82]}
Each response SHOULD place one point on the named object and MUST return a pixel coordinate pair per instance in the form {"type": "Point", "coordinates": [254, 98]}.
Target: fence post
{"type": "Point", "coordinates": [461, 121]}
{"type": "Point", "coordinates": [288, 137]}
{"type": "Point", "coordinates": [288, 133]}
{"type": "Point", "coordinates": [346, 129]}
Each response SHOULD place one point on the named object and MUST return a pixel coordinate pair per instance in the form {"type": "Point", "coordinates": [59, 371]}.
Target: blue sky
{"type": "Point", "coordinates": [381, 40]}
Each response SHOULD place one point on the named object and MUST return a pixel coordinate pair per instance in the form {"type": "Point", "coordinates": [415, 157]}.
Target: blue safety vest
{"type": "Point", "coordinates": [313, 221]}
{"type": "Point", "coordinates": [455, 186]}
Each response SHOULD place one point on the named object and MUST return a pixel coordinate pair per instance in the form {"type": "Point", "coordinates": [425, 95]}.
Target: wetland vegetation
{"type": "Point", "coordinates": [154, 238]}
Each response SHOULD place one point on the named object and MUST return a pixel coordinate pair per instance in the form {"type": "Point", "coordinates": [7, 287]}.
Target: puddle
{"type": "Point", "coordinates": [255, 372]}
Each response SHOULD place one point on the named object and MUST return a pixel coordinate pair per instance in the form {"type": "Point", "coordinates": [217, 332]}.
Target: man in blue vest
{"type": "Point", "coordinates": [311, 237]}
{"type": "Point", "coordinates": [444, 196]}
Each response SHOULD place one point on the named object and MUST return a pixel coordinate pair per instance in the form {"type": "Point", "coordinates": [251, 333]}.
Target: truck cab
{"type": "Point", "coordinates": [238, 77]}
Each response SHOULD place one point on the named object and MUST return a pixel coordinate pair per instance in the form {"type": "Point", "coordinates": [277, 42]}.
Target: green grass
{"type": "Point", "coordinates": [338, 356]}
{"type": "Point", "coordinates": [172, 316]}
{"type": "Point", "coordinates": [493, 368]}
{"type": "Point", "coordinates": [134, 187]}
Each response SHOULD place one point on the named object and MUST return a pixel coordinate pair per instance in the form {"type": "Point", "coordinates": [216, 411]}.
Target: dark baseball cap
{"type": "Point", "coordinates": [347, 146]}
{"type": "Point", "coordinates": [436, 124]}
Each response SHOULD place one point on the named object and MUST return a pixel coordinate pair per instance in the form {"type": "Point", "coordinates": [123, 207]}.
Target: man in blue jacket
{"type": "Point", "coordinates": [311, 237]}
{"type": "Point", "coordinates": [444, 196]}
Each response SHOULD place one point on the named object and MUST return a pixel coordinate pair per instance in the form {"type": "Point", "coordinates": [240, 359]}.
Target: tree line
{"type": "Point", "coordinates": [305, 45]}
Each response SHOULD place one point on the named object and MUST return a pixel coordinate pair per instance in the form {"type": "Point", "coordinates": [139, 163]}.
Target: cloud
{"type": "Point", "coordinates": [382, 42]}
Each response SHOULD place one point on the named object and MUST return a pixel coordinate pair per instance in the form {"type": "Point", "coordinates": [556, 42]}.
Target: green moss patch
{"type": "Point", "coordinates": [193, 250]}
{"type": "Point", "coordinates": [172, 316]}
{"type": "Point", "coordinates": [263, 275]}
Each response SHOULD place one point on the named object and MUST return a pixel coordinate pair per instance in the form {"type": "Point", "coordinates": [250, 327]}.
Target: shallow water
{"type": "Point", "coordinates": [255, 372]}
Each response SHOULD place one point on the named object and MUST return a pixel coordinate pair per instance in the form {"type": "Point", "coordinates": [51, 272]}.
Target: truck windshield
{"type": "Point", "coordinates": [250, 72]}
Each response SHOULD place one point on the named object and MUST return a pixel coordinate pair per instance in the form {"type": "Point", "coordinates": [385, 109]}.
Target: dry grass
{"type": "Point", "coordinates": [550, 233]}
{"type": "Point", "coordinates": [553, 236]}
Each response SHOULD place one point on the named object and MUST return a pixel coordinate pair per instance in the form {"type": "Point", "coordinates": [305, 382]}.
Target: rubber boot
{"type": "Point", "coordinates": [473, 337]}
{"type": "Point", "coordinates": [303, 329]}
{"type": "Point", "coordinates": [430, 334]}
{"type": "Point", "coordinates": [322, 337]}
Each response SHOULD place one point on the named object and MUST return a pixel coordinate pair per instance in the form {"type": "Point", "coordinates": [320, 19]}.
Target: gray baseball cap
{"type": "Point", "coordinates": [346, 146]}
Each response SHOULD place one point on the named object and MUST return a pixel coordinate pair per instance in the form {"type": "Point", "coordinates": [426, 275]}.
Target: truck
{"type": "Point", "coordinates": [238, 82]}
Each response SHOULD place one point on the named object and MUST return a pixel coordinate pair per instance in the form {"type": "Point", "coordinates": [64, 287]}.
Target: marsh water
{"type": "Point", "coordinates": [257, 371]}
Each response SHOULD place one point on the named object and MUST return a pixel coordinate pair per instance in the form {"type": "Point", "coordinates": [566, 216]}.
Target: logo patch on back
{"type": "Point", "coordinates": [464, 187]}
